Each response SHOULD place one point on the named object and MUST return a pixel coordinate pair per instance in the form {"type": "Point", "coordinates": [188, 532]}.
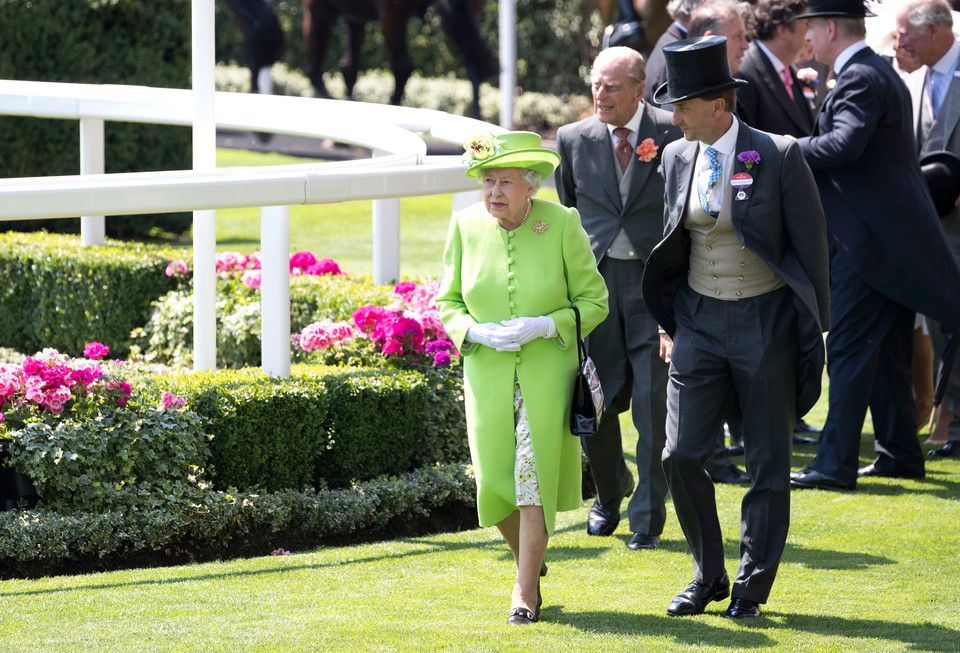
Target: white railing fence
{"type": "Point", "coordinates": [400, 167]}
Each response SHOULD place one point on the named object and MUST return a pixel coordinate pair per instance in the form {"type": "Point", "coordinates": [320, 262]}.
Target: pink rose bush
{"type": "Point", "coordinates": [408, 331]}
{"type": "Point", "coordinates": [49, 385]}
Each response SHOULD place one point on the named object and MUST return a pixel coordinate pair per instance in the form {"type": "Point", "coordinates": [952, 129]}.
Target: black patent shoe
{"type": "Point", "coordinates": [742, 609]}
{"type": "Point", "coordinates": [521, 617]}
{"type": "Point", "coordinates": [695, 598]}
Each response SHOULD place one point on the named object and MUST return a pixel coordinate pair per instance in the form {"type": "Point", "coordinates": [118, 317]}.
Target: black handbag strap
{"type": "Point", "coordinates": [581, 346]}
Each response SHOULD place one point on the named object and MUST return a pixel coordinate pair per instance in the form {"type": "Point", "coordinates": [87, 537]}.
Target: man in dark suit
{"type": "Point", "coordinates": [888, 254]}
{"type": "Point", "coordinates": [773, 99]}
{"type": "Point", "coordinates": [621, 208]}
{"type": "Point", "coordinates": [925, 35]}
{"type": "Point", "coordinates": [739, 284]}
{"type": "Point", "coordinates": [680, 11]}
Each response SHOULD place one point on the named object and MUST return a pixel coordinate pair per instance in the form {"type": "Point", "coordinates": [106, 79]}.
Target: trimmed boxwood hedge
{"type": "Point", "coordinates": [322, 427]}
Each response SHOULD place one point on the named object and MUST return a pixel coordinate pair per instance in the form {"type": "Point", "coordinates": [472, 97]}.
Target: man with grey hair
{"type": "Point", "coordinates": [608, 171]}
{"type": "Point", "coordinates": [925, 34]}
{"type": "Point", "coordinates": [722, 18]}
{"type": "Point", "coordinates": [680, 11]}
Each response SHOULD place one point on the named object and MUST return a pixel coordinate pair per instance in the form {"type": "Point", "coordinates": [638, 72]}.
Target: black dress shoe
{"type": "Point", "coordinates": [803, 440]}
{"type": "Point", "coordinates": [802, 427]}
{"type": "Point", "coordinates": [604, 518]}
{"type": "Point", "coordinates": [873, 470]}
{"type": "Point", "coordinates": [734, 450]}
{"type": "Point", "coordinates": [730, 474]}
{"type": "Point", "coordinates": [696, 597]}
{"type": "Point", "coordinates": [811, 478]}
{"type": "Point", "coordinates": [643, 541]}
{"type": "Point", "coordinates": [742, 609]}
{"type": "Point", "coordinates": [521, 617]}
{"type": "Point", "coordinates": [949, 450]}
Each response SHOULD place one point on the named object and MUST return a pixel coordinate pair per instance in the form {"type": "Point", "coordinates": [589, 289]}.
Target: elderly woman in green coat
{"type": "Point", "coordinates": [514, 269]}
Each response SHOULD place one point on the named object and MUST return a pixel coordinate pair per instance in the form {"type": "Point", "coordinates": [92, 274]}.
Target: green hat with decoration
{"type": "Point", "coordinates": [509, 150]}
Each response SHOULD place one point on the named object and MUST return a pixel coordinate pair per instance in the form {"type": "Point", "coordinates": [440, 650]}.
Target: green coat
{"type": "Point", "coordinates": [492, 275]}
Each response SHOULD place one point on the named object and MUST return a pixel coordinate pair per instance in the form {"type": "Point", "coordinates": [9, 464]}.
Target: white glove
{"type": "Point", "coordinates": [490, 334]}
{"type": "Point", "coordinates": [524, 329]}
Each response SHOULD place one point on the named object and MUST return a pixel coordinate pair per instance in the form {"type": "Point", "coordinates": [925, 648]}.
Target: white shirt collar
{"type": "Point", "coordinates": [846, 54]}
{"type": "Point", "coordinates": [633, 124]}
{"type": "Point", "coordinates": [948, 62]}
{"type": "Point", "coordinates": [777, 64]}
{"type": "Point", "coordinates": [727, 143]}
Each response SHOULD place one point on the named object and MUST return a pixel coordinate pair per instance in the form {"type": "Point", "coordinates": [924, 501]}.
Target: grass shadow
{"type": "Point", "coordinates": [691, 632]}
{"type": "Point", "coordinates": [830, 559]}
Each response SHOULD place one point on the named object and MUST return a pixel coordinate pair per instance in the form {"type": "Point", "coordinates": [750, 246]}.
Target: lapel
{"type": "Point", "coordinates": [914, 82]}
{"type": "Point", "coordinates": [596, 145]}
{"type": "Point", "coordinates": [640, 170]}
{"type": "Point", "coordinates": [738, 208]}
{"type": "Point", "coordinates": [684, 160]}
{"type": "Point", "coordinates": [948, 117]}
{"type": "Point", "coordinates": [773, 83]}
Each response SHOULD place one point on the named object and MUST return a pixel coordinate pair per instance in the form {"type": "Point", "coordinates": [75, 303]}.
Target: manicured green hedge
{"type": "Point", "coordinates": [61, 295]}
{"type": "Point", "coordinates": [224, 524]}
{"type": "Point", "coordinates": [322, 427]}
{"type": "Point", "coordinates": [142, 42]}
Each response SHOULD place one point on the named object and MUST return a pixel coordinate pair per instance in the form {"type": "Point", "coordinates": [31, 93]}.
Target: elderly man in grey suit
{"type": "Point", "coordinates": [925, 31]}
{"type": "Point", "coordinates": [608, 171]}
{"type": "Point", "coordinates": [740, 285]}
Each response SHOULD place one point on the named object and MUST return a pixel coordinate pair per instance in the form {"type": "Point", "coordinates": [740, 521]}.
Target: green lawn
{"type": "Point", "coordinates": [870, 570]}
{"type": "Point", "coordinates": [344, 231]}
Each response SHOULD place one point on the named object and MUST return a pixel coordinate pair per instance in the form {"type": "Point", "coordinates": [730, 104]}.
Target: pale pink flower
{"type": "Point", "coordinates": [169, 401]}
{"type": "Point", "coordinates": [176, 267]}
{"type": "Point", "coordinates": [251, 279]}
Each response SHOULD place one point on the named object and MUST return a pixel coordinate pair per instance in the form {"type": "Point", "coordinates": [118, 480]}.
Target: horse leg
{"type": "Point", "coordinates": [350, 61]}
{"type": "Point", "coordinates": [460, 21]}
{"type": "Point", "coordinates": [318, 20]}
{"type": "Point", "coordinates": [394, 25]}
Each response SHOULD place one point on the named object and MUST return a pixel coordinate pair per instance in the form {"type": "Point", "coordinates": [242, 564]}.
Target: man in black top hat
{"type": "Point", "coordinates": [739, 284]}
{"type": "Point", "coordinates": [888, 254]}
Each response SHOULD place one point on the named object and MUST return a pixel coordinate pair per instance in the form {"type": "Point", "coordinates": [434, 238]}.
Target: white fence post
{"type": "Point", "coordinates": [275, 289]}
{"type": "Point", "coordinates": [386, 241]}
{"type": "Point", "coordinates": [508, 60]}
{"type": "Point", "coordinates": [92, 227]}
{"type": "Point", "coordinates": [204, 159]}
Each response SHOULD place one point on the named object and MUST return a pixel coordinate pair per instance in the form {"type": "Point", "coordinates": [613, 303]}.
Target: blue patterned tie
{"type": "Point", "coordinates": [707, 179]}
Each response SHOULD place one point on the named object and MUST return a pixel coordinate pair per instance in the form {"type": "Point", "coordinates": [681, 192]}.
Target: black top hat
{"type": "Point", "coordinates": [941, 170]}
{"type": "Point", "coordinates": [836, 9]}
{"type": "Point", "coordinates": [695, 67]}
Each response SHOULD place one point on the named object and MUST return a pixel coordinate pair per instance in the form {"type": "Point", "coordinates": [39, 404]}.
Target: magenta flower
{"type": "Point", "coordinates": [404, 287]}
{"type": "Point", "coordinates": [301, 260]}
{"type": "Point", "coordinates": [323, 266]}
{"type": "Point", "coordinates": [95, 350]}
{"type": "Point", "coordinates": [229, 262]}
{"type": "Point", "coordinates": [367, 317]}
{"type": "Point", "coordinates": [441, 359]}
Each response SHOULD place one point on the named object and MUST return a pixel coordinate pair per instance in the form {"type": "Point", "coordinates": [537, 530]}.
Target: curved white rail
{"type": "Point", "coordinates": [400, 167]}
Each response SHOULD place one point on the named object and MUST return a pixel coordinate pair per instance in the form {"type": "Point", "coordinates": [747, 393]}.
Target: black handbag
{"type": "Point", "coordinates": [586, 408]}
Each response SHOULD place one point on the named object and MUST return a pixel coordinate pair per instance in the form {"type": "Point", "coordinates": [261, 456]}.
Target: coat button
{"type": "Point", "coordinates": [510, 288]}
{"type": "Point", "coordinates": [739, 293]}
{"type": "Point", "coordinates": [510, 247]}
{"type": "Point", "coordinates": [509, 261]}
{"type": "Point", "coordinates": [717, 292]}
{"type": "Point", "coordinates": [513, 304]}
{"type": "Point", "coordinates": [510, 275]}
